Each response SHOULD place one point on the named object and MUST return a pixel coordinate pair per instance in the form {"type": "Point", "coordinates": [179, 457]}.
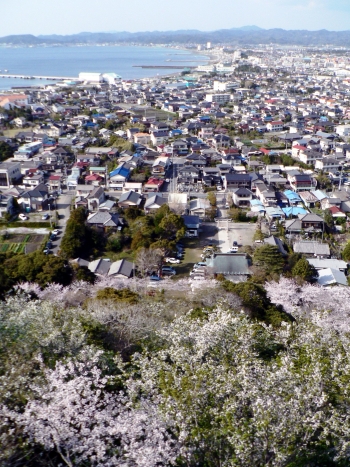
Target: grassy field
{"type": "Point", "coordinates": [11, 133]}
{"type": "Point", "coordinates": [193, 252]}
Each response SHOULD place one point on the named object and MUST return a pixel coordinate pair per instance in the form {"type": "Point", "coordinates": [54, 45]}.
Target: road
{"type": "Point", "coordinates": [63, 204]}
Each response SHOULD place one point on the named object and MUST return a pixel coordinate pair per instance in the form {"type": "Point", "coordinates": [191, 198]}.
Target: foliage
{"type": "Point", "coordinates": [258, 235]}
{"type": "Point", "coordinates": [328, 218]}
{"type": "Point", "coordinates": [79, 239]}
{"type": "Point", "coordinates": [346, 252]}
{"type": "Point", "coordinates": [269, 258]}
{"type": "Point", "coordinates": [124, 295]}
{"type": "Point", "coordinates": [304, 270]}
{"type": "Point", "coordinates": [6, 151]}
{"type": "Point", "coordinates": [34, 267]}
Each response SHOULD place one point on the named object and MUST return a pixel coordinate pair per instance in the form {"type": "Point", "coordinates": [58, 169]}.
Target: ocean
{"type": "Point", "coordinates": [70, 61]}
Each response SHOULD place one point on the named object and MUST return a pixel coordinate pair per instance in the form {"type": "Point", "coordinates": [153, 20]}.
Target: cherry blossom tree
{"type": "Point", "coordinates": [76, 414]}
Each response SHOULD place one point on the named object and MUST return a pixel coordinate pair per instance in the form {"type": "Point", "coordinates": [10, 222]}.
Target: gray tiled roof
{"type": "Point", "coordinates": [229, 264]}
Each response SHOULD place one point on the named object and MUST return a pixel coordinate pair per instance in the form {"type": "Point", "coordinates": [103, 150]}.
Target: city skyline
{"type": "Point", "coordinates": [134, 16]}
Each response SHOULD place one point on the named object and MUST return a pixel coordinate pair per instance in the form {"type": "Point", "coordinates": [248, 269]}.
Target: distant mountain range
{"type": "Point", "coordinates": [235, 36]}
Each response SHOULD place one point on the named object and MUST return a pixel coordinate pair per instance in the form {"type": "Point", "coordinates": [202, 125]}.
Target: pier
{"type": "Point", "coordinates": [165, 67]}
{"type": "Point", "coordinates": [49, 78]}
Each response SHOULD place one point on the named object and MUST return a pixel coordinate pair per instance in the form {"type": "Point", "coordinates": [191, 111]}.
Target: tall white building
{"type": "Point", "coordinates": [208, 45]}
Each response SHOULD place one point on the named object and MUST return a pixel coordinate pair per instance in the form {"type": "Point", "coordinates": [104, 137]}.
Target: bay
{"type": "Point", "coordinates": [70, 61]}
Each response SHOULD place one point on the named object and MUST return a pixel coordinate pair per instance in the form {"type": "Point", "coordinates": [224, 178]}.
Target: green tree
{"type": "Point", "coordinates": [6, 151]}
{"type": "Point", "coordinates": [258, 235]}
{"type": "Point", "coordinates": [346, 252]}
{"type": "Point", "coordinates": [78, 238]}
{"type": "Point", "coordinates": [269, 258]}
{"type": "Point", "coordinates": [328, 218]}
{"type": "Point", "coordinates": [173, 225]}
{"type": "Point", "coordinates": [304, 270]}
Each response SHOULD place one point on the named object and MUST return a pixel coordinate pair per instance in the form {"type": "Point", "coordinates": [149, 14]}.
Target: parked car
{"type": "Point", "coordinates": [55, 232]}
{"type": "Point", "coordinates": [46, 251]}
{"type": "Point", "coordinates": [45, 217]}
{"type": "Point", "coordinates": [166, 270]}
{"type": "Point", "coordinates": [49, 244]}
{"type": "Point", "coordinates": [234, 249]}
{"type": "Point", "coordinates": [201, 264]}
{"type": "Point", "coordinates": [155, 278]}
{"type": "Point", "coordinates": [259, 241]}
{"type": "Point", "coordinates": [172, 260]}
{"type": "Point", "coordinates": [23, 217]}
{"type": "Point", "coordinates": [235, 243]}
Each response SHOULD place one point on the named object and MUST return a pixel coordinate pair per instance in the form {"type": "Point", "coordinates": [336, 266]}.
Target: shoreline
{"type": "Point", "coordinates": [203, 57]}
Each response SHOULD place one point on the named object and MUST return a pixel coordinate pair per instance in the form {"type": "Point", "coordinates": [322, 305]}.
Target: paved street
{"type": "Point", "coordinates": [63, 209]}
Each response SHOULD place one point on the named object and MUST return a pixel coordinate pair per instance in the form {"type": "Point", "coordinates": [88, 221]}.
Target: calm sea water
{"type": "Point", "coordinates": [70, 61]}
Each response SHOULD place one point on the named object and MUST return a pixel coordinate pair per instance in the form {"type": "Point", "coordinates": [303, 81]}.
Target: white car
{"type": "Point", "coordinates": [23, 217]}
{"type": "Point", "coordinates": [55, 232]}
{"type": "Point", "coordinates": [172, 260]}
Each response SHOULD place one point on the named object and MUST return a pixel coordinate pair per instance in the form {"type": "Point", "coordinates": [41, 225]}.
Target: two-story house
{"type": "Point", "coordinates": [233, 180]}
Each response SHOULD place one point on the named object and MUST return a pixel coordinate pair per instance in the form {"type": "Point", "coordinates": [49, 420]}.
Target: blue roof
{"type": "Point", "coordinates": [123, 171]}
{"type": "Point", "coordinates": [256, 202]}
{"type": "Point", "coordinates": [294, 211]}
{"type": "Point", "coordinates": [291, 195]}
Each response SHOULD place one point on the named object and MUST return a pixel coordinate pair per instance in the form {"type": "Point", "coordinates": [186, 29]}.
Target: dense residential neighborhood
{"type": "Point", "coordinates": [251, 151]}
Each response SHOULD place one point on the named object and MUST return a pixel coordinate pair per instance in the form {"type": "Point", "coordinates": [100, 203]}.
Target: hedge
{"type": "Point", "coordinates": [26, 224]}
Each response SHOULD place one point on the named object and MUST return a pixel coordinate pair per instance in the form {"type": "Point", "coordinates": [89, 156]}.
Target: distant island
{"type": "Point", "coordinates": [235, 36]}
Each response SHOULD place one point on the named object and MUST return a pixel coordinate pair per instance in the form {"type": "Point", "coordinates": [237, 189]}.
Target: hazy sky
{"type": "Point", "coordinates": [73, 16]}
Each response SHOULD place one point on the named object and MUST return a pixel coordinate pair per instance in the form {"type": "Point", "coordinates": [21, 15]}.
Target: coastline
{"type": "Point", "coordinates": [191, 56]}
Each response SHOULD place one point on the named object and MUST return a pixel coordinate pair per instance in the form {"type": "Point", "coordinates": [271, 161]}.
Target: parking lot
{"type": "Point", "coordinates": [228, 232]}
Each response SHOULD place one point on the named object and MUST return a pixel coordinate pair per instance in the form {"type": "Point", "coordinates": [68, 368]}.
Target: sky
{"type": "Point", "coordinates": [74, 16]}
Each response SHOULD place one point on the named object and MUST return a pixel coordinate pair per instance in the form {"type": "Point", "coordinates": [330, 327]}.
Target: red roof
{"type": "Point", "coordinates": [155, 181]}
{"type": "Point", "coordinates": [93, 177]}
{"type": "Point", "coordinates": [335, 210]}
{"type": "Point", "coordinates": [298, 146]}
{"type": "Point", "coordinates": [264, 151]}
{"type": "Point", "coordinates": [55, 177]}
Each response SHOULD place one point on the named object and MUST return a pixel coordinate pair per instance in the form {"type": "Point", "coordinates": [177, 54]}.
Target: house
{"type": "Point", "coordinates": [199, 207]}
{"type": "Point", "coordinates": [301, 182]}
{"type": "Point", "coordinates": [153, 184]}
{"type": "Point", "coordinates": [337, 213]}
{"type": "Point", "coordinates": [35, 199]}
{"type": "Point", "coordinates": [103, 219]}
{"type": "Point", "coordinates": [130, 198]}
{"type": "Point", "coordinates": [327, 164]}
{"type": "Point", "coordinates": [141, 138]}
{"type": "Point", "coordinates": [34, 178]}
{"type": "Point", "coordinates": [312, 249]}
{"type": "Point", "coordinates": [120, 174]}
{"type": "Point", "coordinates": [188, 174]}
{"type": "Point", "coordinates": [236, 181]}
{"type": "Point", "coordinates": [154, 202]}
{"type": "Point", "coordinates": [241, 197]}
{"type": "Point", "coordinates": [100, 267]}
{"type": "Point", "coordinates": [308, 198]}
{"type": "Point", "coordinates": [192, 224]}
{"type": "Point", "coordinates": [9, 173]}
{"type": "Point", "coordinates": [160, 165]}
{"type": "Point", "coordinates": [121, 269]}
{"type": "Point", "coordinates": [234, 267]}
{"type": "Point", "coordinates": [325, 263]}
{"type": "Point", "coordinates": [95, 198]}
{"type": "Point", "coordinates": [331, 277]}
{"type": "Point", "coordinates": [159, 137]}
{"type": "Point", "coordinates": [275, 126]}
{"type": "Point", "coordinates": [308, 222]}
